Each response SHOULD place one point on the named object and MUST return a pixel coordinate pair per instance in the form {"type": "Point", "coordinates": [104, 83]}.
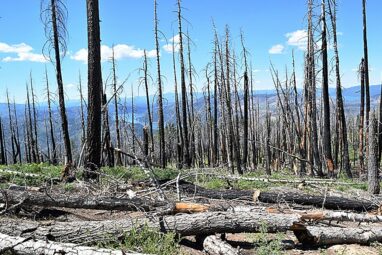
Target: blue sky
{"type": "Point", "coordinates": [272, 29]}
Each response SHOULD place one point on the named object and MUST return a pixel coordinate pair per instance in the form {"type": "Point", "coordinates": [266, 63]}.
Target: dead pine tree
{"type": "Point", "coordinates": [35, 120]}
{"type": "Point", "coordinates": [3, 157]}
{"type": "Point", "coordinates": [179, 136]}
{"type": "Point", "coordinates": [372, 162]}
{"type": "Point", "coordinates": [246, 108]}
{"type": "Point", "coordinates": [311, 130]}
{"type": "Point", "coordinates": [162, 144]}
{"type": "Point", "coordinates": [361, 71]}
{"type": "Point", "coordinates": [149, 116]}
{"type": "Point", "coordinates": [82, 113]}
{"type": "Point", "coordinates": [228, 104]}
{"type": "Point", "coordinates": [268, 155]}
{"type": "Point", "coordinates": [116, 118]}
{"type": "Point", "coordinates": [366, 69]}
{"type": "Point", "coordinates": [93, 137]}
{"type": "Point", "coordinates": [54, 15]}
{"type": "Point", "coordinates": [31, 143]}
{"type": "Point", "coordinates": [108, 151]}
{"type": "Point", "coordinates": [186, 147]}
{"type": "Point", "coordinates": [380, 127]}
{"type": "Point", "coordinates": [12, 132]}
{"type": "Point", "coordinates": [215, 157]}
{"type": "Point", "coordinates": [51, 127]}
{"type": "Point", "coordinates": [191, 103]}
{"type": "Point", "coordinates": [326, 139]}
{"type": "Point", "coordinates": [339, 100]}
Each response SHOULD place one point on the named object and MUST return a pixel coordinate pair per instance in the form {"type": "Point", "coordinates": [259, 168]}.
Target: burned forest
{"type": "Point", "coordinates": [200, 141]}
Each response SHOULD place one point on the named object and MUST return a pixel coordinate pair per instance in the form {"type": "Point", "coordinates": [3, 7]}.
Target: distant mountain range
{"type": "Point", "coordinates": [351, 98]}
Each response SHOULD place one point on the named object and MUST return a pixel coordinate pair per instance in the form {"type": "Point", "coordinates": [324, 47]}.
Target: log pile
{"type": "Point", "coordinates": [326, 220]}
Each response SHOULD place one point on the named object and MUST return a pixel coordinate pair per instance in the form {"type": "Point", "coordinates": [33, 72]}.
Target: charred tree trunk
{"type": "Point", "coordinates": [191, 105]}
{"type": "Point", "coordinates": [35, 120]}
{"type": "Point", "coordinates": [179, 133]}
{"type": "Point", "coordinates": [380, 128]}
{"type": "Point", "coordinates": [60, 84]}
{"type": "Point", "coordinates": [51, 128]}
{"type": "Point", "coordinates": [117, 131]}
{"type": "Point", "coordinates": [30, 130]}
{"type": "Point", "coordinates": [366, 67]}
{"type": "Point", "coordinates": [93, 147]}
{"type": "Point", "coordinates": [325, 96]}
{"type": "Point", "coordinates": [246, 108]}
{"type": "Point", "coordinates": [162, 144]}
{"type": "Point", "coordinates": [186, 147]}
{"type": "Point", "coordinates": [2, 143]}
{"type": "Point", "coordinates": [215, 129]}
{"type": "Point", "coordinates": [150, 119]}
{"type": "Point", "coordinates": [372, 162]}
{"type": "Point", "coordinates": [339, 100]}
{"type": "Point", "coordinates": [12, 132]}
{"type": "Point", "coordinates": [361, 117]}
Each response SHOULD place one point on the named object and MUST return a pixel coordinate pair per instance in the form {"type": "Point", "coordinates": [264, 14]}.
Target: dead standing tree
{"type": "Point", "coordinates": [339, 100]}
{"type": "Point", "coordinates": [326, 139]}
{"type": "Point", "coordinates": [116, 99]}
{"type": "Point", "coordinates": [186, 147]}
{"type": "Point", "coordinates": [361, 71]}
{"type": "Point", "coordinates": [93, 146]}
{"type": "Point", "coordinates": [51, 128]}
{"type": "Point", "coordinates": [162, 144]}
{"type": "Point", "coordinates": [54, 15]}
{"type": "Point", "coordinates": [372, 165]}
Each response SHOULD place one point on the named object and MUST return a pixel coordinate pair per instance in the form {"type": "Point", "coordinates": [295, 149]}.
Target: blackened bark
{"type": "Point", "coordinates": [150, 119]}
{"type": "Point", "coordinates": [116, 118]}
{"type": "Point", "coordinates": [372, 163]}
{"type": "Point", "coordinates": [162, 145]}
{"type": "Point", "coordinates": [93, 147]}
{"type": "Point", "coordinates": [2, 149]}
{"type": "Point", "coordinates": [366, 65]}
{"type": "Point", "coordinates": [30, 130]}
{"type": "Point", "coordinates": [325, 96]}
{"type": "Point", "coordinates": [339, 99]}
{"type": "Point", "coordinates": [52, 138]}
{"type": "Point", "coordinates": [60, 84]}
{"type": "Point", "coordinates": [186, 148]}
{"type": "Point", "coordinates": [361, 116]}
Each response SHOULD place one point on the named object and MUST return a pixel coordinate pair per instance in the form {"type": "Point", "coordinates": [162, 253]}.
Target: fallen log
{"type": "Point", "coordinates": [183, 224]}
{"type": "Point", "coordinates": [28, 246]}
{"type": "Point", "coordinates": [283, 181]}
{"type": "Point", "coordinates": [315, 215]}
{"type": "Point", "coordinates": [214, 245]}
{"type": "Point", "coordinates": [319, 236]}
{"type": "Point", "coordinates": [328, 202]}
{"type": "Point", "coordinates": [75, 201]}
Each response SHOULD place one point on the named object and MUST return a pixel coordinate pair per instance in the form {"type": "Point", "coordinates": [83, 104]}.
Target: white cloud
{"type": "Point", "coordinates": [297, 38]}
{"type": "Point", "coordinates": [173, 44]}
{"type": "Point", "coordinates": [276, 49]}
{"type": "Point", "coordinates": [120, 51]}
{"type": "Point", "coordinates": [23, 51]}
{"type": "Point", "coordinates": [70, 86]}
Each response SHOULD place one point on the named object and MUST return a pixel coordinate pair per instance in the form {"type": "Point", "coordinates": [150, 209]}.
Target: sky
{"type": "Point", "coordinates": [272, 30]}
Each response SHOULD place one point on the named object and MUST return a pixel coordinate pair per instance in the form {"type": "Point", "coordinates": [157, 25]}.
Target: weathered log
{"type": "Point", "coordinates": [328, 202]}
{"type": "Point", "coordinates": [28, 246]}
{"type": "Point", "coordinates": [319, 236]}
{"type": "Point", "coordinates": [74, 201]}
{"type": "Point", "coordinates": [317, 215]}
{"type": "Point", "coordinates": [214, 245]}
{"type": "Point", "coordinates": [183, 224]}
{"type": "Point", "coordinates": [285, 181]}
